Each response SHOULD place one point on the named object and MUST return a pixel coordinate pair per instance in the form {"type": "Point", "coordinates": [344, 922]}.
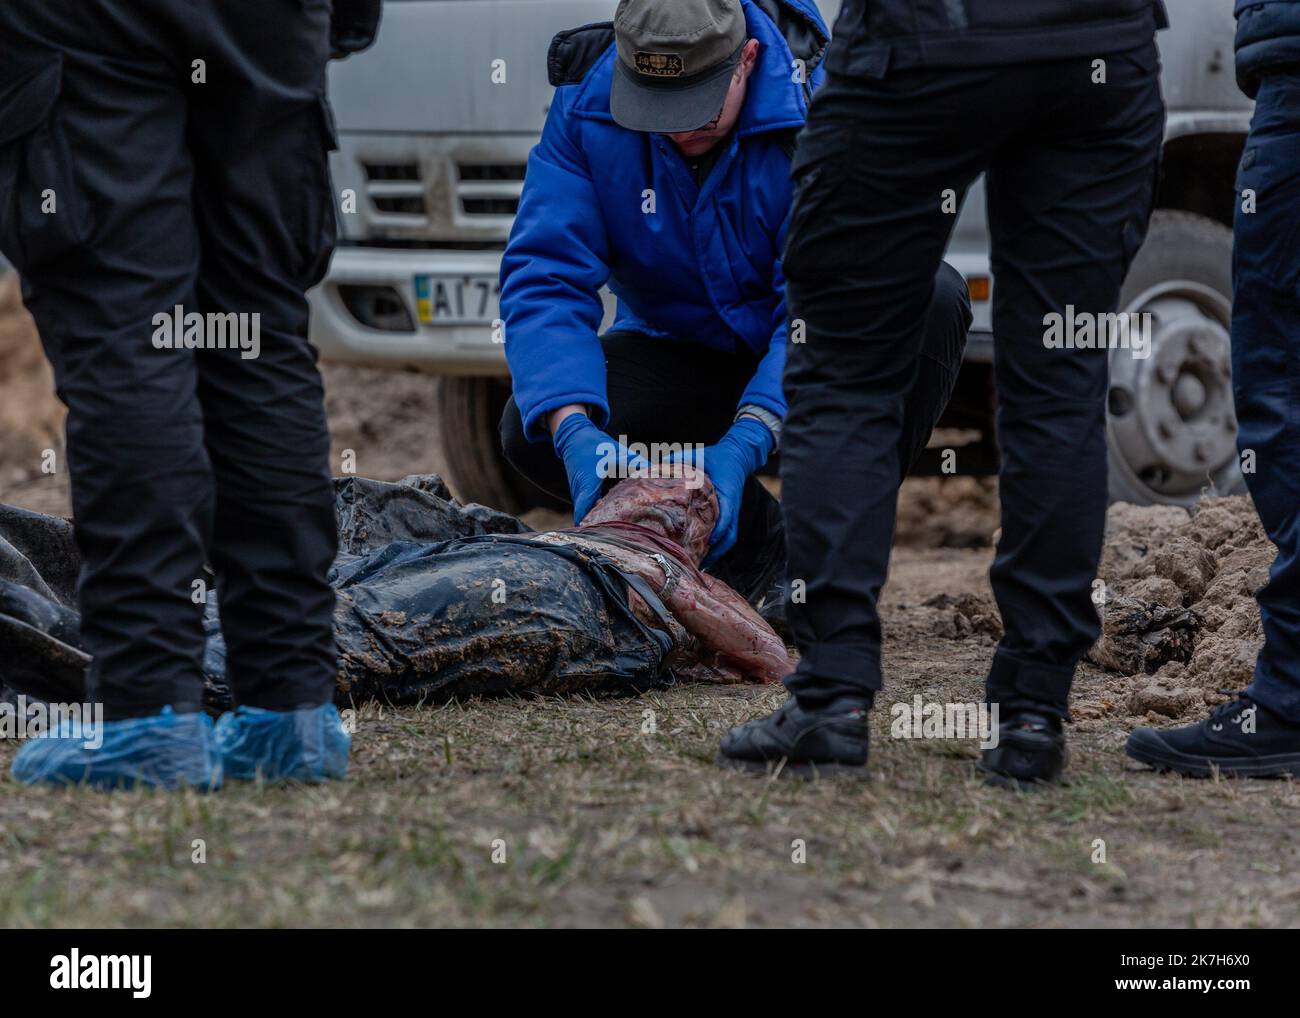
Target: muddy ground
{"type": "Point", "coordinates": [610, 812]}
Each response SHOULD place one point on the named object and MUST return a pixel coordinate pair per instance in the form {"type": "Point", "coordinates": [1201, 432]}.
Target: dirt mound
{"type": "Point", "coordinates": [1180, 615]}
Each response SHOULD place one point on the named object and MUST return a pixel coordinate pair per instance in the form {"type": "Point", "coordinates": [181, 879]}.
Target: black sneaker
{"type": "Point", "coordinates": [1030, 751]}
{"type": "Point", "coordinates": [832, 740]}
{"type": "Point", "coordinates": [1240, 739]}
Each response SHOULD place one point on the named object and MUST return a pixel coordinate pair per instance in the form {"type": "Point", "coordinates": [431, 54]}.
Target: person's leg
{"type": "Point", "coordinates": [1266, 373]}
{"type": "Point", "coordinates": [265, 210]}
{"type": "Point", "coordinates": [756, 565]}
{"type": "Point", "coordinates": [1258, 734]}
{"type": "Point", "coordinates": [537, 461]}
{"type": "Point", "coordinates": [866, 240]}
{"type": "Point", "coordinates": [665, 391]}
{"type": "Point", "coordinates": [105, 241]}
{"type": "Point", "coordinates": [113, 150]}
{"type": "Point", "coordinates": [668, 392]}
{"type": "Point", "coordinates": [658, 391]}
{"type": "Point", "coordinates": [943, 345]}
{"type": "Point", "coordinates": [1069, 199]}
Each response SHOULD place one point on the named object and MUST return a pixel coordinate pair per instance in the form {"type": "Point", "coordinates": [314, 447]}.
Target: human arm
{"type": "Point", "coordinates": [732, 636]}
{"type": "Point", "coordinates": [554, 266]}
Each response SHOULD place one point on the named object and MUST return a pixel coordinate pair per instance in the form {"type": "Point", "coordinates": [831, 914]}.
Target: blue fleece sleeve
{"type": "Point", "coordinates": [765, 388]}
{"type": "Point", "coordinates": [554, 265]}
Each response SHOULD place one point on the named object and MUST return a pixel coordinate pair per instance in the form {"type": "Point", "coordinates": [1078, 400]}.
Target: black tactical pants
{"type": "Point", "coordinates": [165, 155]}
{"type": "Point", "coordinates": [1266, 370]}
{"type": "Point", "coordinates": [1071, 167]}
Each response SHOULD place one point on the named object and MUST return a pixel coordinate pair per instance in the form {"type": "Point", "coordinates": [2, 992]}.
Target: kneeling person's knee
{"type": "Point", "coordinates": [949, 317]}
{"type": "Point", "coordinates": [514, 443]}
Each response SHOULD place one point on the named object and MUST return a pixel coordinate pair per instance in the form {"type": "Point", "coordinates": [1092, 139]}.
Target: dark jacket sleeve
{"type": "Point", "coordinates": [1268, 39]}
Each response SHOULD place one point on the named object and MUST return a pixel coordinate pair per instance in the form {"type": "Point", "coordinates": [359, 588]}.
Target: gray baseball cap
{"type": "Point", "coordinates": [675, 62]}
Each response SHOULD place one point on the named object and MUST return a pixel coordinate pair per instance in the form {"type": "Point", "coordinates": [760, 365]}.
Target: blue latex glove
{"type": "Point", "coordinates": [164, 750]}
{"type": "Point", "coordinates": [590, 458]}
{"type": "Point", "coordinates": [742, 450]}
{"type": "Point", "coordinates": [308, 745]}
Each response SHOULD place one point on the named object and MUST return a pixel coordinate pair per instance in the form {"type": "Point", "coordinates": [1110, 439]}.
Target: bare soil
{"type": "Point", "coordinates": [1181, 621]}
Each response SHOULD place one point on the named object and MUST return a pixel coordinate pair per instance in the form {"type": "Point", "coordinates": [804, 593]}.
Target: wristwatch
{"type": "Point", "coordinates": [765, 417]}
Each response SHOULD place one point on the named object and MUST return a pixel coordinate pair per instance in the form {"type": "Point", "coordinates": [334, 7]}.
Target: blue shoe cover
{"type": "Point", "coordinates": [307, 745]}
{"type": "Point", "coordinates": [163, 750]}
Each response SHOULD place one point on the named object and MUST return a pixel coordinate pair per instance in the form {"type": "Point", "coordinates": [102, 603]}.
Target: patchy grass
{"type": "Point", "coordinates": [597, 821]}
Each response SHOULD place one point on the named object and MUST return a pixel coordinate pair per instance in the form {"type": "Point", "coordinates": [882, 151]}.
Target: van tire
{"type": "Point", "coordinates": [469, 417]}
{"type": "Point", "coordinates": [1179, 246]}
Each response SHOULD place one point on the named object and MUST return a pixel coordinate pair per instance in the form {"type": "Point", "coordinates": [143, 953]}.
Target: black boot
{"type": "Point", "coordinates": [830, 740]}
{"type": "Point", "coordinates": [1030, 751]}
{"type": "Point", "coordinates": [1239, 739]}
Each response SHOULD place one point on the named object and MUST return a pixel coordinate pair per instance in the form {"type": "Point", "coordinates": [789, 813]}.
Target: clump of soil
{"type": "Point", "coordinates": [1180, 615]}
{"type": "Point", "coordinates": [947, 512]}
{"type": "Point", "coordinates": [965, 614]}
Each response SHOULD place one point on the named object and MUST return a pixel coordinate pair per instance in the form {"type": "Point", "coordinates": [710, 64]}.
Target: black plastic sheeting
{"type": "Point", "coordinates": [435, 600]}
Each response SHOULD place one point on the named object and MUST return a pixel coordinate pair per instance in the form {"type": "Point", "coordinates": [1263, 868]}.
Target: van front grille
{"type": "Point", "coordinates": [392, 171]}
{"type": "Point", "coordinates": [489, 189]}
{"type": "Point", "coordinates": [396, 188]}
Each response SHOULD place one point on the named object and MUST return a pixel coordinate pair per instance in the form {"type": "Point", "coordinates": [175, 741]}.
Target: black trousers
{"type": "Point", "coordinates": [1071, 169]}
{"type": "Point", "coordinates": [1266, 370]}
{"type": "Point", "coordinates": [660, 391]}
{"type": "Point", "coordinates": [186, 142]}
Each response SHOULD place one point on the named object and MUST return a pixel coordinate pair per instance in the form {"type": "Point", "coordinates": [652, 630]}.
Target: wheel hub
{"type": "Point", "coordinates": [1171, 420]}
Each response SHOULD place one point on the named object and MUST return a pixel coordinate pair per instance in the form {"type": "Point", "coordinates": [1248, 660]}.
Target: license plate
{"type": "Point", "coordinates": [457, 300]}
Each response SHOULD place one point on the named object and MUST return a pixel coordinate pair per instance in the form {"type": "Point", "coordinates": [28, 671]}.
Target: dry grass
{"type": "Point", "coordinates": [604, 825]}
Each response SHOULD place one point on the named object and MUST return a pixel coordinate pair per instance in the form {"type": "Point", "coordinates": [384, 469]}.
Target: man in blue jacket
{"type": "Point", "coordinates": [663, 171]}
{"type": "Point", "coordinates": [1258, 733]}
{"type": "Point", "coordinates": [1058, 103]}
